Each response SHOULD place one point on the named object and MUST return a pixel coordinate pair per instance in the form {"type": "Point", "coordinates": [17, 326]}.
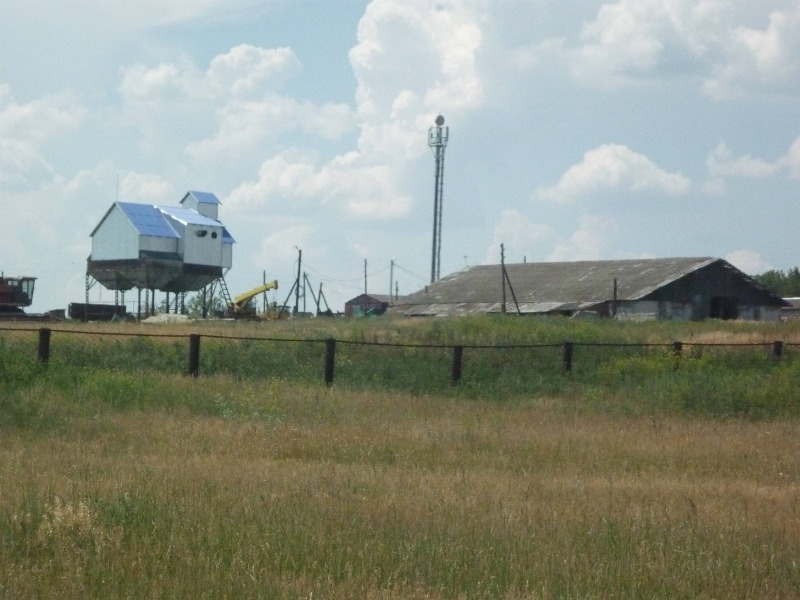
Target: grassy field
{"type": "Point", "coordinates": [121, 479]}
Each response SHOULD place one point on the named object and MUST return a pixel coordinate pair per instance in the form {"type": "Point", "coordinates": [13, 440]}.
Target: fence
{"type": "Point", "coordinates": [566, 349]}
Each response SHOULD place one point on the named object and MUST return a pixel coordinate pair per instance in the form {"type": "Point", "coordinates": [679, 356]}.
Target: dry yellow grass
{"type": "Point", "coordinates": [366, 495]}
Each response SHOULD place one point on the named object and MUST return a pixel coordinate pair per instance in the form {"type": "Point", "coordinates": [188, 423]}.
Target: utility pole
{"type": "Point", "coordinates": [297, 283]}
{"type": "Point", "coordinates": [503, 273]}
{"type": "Point", "coordinates": [391, 277]}
{"type": "Point", "coordinates": [305, 279]}
{"type": "Point", "coordinates": [365, 276]}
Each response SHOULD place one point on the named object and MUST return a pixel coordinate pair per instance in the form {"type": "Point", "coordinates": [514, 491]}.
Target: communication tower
{"type": "Point", "coordinates": [437, 140]}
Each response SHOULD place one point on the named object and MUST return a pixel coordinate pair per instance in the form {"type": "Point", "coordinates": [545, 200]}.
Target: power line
{"type": "Point", "coordinates": [329, 278]}
{"type": "Point", "coordinates": [354, 279]}
{"type": "Point", "coordinates": [412, 273]}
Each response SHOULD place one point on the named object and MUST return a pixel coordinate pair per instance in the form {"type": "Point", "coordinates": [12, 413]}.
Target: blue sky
{"type": "Point", "coordinates": [579, 129]}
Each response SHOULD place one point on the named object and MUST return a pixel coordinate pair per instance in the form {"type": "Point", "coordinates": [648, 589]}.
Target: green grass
{"type": "Point", "coordinates": [122, 477]}
{"type": "Point", "coordinates": [504, 359]}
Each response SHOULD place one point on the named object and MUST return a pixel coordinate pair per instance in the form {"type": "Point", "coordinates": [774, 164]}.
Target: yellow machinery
{"type": "Point", "coordinates": [242, 307]}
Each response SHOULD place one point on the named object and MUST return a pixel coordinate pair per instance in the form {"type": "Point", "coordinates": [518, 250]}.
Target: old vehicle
{"type": "Point", "coordinates": [15, 293]}
{"type": "Point", "coordinates": [241, 307]}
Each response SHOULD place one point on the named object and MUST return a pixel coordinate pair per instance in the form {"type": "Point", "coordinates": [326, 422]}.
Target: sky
{"type": "Point", "coordinates": [578, 130]}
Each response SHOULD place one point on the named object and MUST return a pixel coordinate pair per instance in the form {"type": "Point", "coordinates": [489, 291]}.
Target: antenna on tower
{"type": "Point", "coordinates": [437, 140]}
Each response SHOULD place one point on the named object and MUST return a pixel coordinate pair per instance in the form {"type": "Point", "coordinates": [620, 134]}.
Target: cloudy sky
{"type": "Point", "coordinates": [579, 129]}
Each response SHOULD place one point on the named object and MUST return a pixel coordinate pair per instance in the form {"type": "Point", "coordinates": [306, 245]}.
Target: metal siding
{"type": "Point", "coordinates": [149, 243]}
{"type": "Point", "coordinates": [206, 250]}
{"type": "Point", "coordinates": [227, 256]}
{"type": "Point", "coordinates": [196, 250]}
{"type": "Point", "coordinates": [205, 203]}
{"type": "Point", "coordinates": [115, 238]}
{"type": "Point", "coordinates": [204, 197]}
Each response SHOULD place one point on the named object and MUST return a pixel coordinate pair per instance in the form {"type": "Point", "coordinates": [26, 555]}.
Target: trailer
{"type": "Point", "coordinates": [81, 311]}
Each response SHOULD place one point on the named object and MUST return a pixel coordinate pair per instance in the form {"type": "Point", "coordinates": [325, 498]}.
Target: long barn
{"type": "Point", "coordinates": [659, 288]}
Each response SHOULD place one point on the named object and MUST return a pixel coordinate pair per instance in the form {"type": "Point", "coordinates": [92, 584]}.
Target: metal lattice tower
{"type": "Point", "coordinates": [437, 140]}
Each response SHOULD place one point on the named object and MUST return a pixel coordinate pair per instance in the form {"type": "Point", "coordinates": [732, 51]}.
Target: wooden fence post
{"type": "Point", "coordinates": [777, 349]}
{"type": "Point", "coordinates": [44, 345]}
{"type": "Point", "coordinates": [194, 354]}
{"type": "Point", "coordinates": [458, 354]}
{"type": "Point", "coordinates": [677, 349]}
{"type": "Point", "coordinates": [330, 360]}
{"type": "Point", "coordinates": [567, 357]}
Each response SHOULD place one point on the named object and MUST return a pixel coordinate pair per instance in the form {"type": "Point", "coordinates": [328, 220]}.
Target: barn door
{"type": "Point", "coordinates": [723, 307]}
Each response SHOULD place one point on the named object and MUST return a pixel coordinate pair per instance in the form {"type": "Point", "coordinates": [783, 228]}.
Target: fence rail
{"type": "Point", "coordinates": [45, 336]}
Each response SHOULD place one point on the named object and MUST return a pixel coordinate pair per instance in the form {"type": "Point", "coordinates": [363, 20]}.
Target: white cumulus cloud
{"type": "Point", "coordinates": [727, 46]}
{"type": "Point", "coordinates": [722, 163]}
{"type": "Point", "coordinates": [593, 240]}
{"type": "Point", "coordinates": [358, 189]}
{"type": "Point", "coordinates": [749, 261]}
{"type": "Point", "coordinates": [636, 38]}
{"type": "Point", "coordinates": [413, 60]}
{"type": "Point", "coordinates": [613, 167]}
{"type": "Point", "coordinates": [24, 127]}
{"type": "Point", "coordinates": [39, 119]}
{"type": "Point", "coordinates": [412, 45]}
{"type": "Point", "coordinates": [229, 111]}
{"type": "Point", "coordinates": [21, 166]}
{"type": "Point", "coordinates": [792, 159]}
{"type": "Point", "coordinates": [520, 236]}
{"type": "Point", "coordinates": [760, 59]}
{"type": "Point", "coordinates": [249, 69]}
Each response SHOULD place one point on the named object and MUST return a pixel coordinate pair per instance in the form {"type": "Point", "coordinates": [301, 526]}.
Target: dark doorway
{"type": "Point", "coordinates": [723, 307]}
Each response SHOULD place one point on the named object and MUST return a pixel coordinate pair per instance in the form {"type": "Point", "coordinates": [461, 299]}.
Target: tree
{"type": "Point", "coordinates": [785, 284]}
{"type": "Point", "coordinates": [214, 306]}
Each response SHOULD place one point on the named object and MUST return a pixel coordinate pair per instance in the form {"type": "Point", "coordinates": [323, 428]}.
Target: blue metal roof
{"type": "Point", "coordinates": [155, 220]}
{"type": "Point", "coordinates": [204, 197]}
{"type": "Point", "coordinates": [188, 216]}
{"type": "Point", "coordinates": [147, 219]}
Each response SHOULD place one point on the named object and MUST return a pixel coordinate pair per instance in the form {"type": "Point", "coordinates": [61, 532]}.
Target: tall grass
{"type": "Point", "coordinates": [146, 485]}
{"type": "Point", "coordinates": [618, 368]}
{"type": "Point", "coordinates": [638, 475]}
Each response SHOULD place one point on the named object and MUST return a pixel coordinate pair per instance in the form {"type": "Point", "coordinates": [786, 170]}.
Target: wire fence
{"type": "Point", "coordinates": [330, 359]}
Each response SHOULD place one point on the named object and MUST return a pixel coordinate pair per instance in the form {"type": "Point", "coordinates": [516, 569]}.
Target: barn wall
{"type": "Point", "coordinates": [149, 243]}
{"type": "Point", "coordinates": [654, 309]}
{"type": "Point", "coordinates": [363, 303]}
{"type": "Point", "coordinates": [760, 313]}
{"type": "Point", "coordinates": [206, 209]}
{"type": "Point", "coordinates": [116, 238]}
{"type": "Point", "coordinates": [202, 245]}
{"type": "Point", "coordinates": [718, 292]}
{"type": "Point", "coordinates": [678, 311]}
{"type": "Point", "coordinates": [227, 256]}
